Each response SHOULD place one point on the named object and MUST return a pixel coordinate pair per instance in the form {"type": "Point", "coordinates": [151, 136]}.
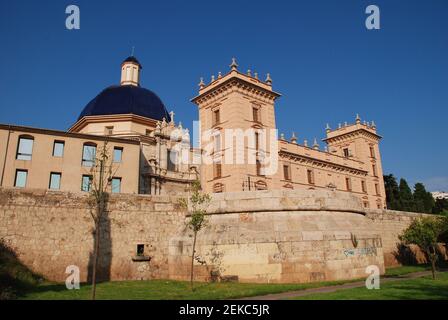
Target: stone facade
{"type": "Point", "coordinates": [244, 151]}
{"type": "Point", "coordinates": [265, 236]}
{"type": "Point", "coordinates": [157, 157]}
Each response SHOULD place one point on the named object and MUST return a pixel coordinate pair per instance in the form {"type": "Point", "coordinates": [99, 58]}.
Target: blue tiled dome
{"type": "Point", "coordinates": [125, 100]}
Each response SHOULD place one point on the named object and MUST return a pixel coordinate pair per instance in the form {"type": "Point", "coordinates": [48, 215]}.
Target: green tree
{"type": "Point", "coordinates": [444, 236]}
{"type": "Point", "coordinates": [440, 206]}
{"type": "Point", "coordinates": [101, 172]}
{"type": "Point", "coordinates": [406, 198]}
{"type": "Point", "coordinates": [424, 202]}
{"type": "Point", "coordinates": [197, 206]}
{"type": "Point", "coordinates": [392, 192]}
{"type": "Point", "coordinates": [425, 233]}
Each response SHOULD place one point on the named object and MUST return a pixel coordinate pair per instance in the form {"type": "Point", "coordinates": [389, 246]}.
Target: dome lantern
{"type": "Point", "coordinates": [130, 72]}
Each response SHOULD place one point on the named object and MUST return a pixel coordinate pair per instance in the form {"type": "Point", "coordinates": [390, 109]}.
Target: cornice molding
{"type": "Point", "coordinates": [235, 84]}
{"type": "Point", "coordinates": [84, 121]}
{"type": "Point", "coordinates": [321, 163]}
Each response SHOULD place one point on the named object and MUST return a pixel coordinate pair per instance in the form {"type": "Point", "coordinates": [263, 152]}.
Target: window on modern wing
{"type": "Point", "coordinates": [20, 180]}
{"type": "Point", "coordinates": [25, 148]}
{"type": "Point", "coordinates": [88, 155]}
{"type": "Point", "coordinates": [116, 185]}
{"type": "Point", "coordinates": [55, 181]}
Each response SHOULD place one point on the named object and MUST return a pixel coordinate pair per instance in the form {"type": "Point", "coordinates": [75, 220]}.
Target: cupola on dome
{"type": "Point", "coordinates": [127, 98]}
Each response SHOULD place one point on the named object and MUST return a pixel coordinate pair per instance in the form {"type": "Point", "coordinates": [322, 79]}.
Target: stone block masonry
{"type": "Point", "coordinates": [264, 236]}
{"type": "Point", "coordinates": [280, 237]}
{"type": "Point", "coordinates": [52, 230]}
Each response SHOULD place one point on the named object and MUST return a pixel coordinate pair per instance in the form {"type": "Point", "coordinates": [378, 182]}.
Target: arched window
{"type": "Point", "coordinates": [25, 147]}
{"type": "Point", "coordinates": [261, 185]}
{"type": "Point", "coordinates": [218, 188]}
{"type": "Point", "coordinates": [88, 154]}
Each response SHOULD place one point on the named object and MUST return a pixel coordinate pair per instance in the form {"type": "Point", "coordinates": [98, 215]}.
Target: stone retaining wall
{"type": "Point", "coordinates": [263, 236]}
{"type": "Point", "coordinates": [52, 230]}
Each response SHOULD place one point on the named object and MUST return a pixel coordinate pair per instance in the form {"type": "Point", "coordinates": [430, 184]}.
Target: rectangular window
{"type": "Point", "coordinates": [377, 189]}
{"type": "Point", "coordinates": [217, 142]}
{"type": "Point", "coordinates": [116, 185]}
{"type": "Point", "coordinates": [25, 149]}
{"type": "Point", "coordinates": [366, 204]}
{"type": "Point", "coordinates": [118, 153]}
{"type": "Point", "coordinates": [259, 169]}
{"type": "Point", "coordinates": [140, 249]}
{"type": "Point", "coordinates": [256, 114]}
{"type": "Point", "coordinates": [363, 186]}
{"type": "Point", "coordinates": [109, 130]}
{"type": "Point", "coordinates": [216, 117]}
{"type": "Point", "coordinates": [257, 141]}
{"type": "Point", "coordinates": [348, 184]}
{"type": "Point", "coordinates": [86, 184]}
{"type": "Point", "coordinates": [88, 155]}
{"type": "Point", "coordinates": [58, 149]}
{"type": "Point", "coordinates": [346, 153]}
{"type": "Point", "coordinates": [217, 170]}
{"type": "Point", "coordinates": [310, 175]}
{"type": "Point", "coordinates": [374, 170]}
{"type": "Point", "coordinates": [55, 181]}
{"type": "Point", "coordinates": [372, 152]}
{"type": "Point", "coordinates": [20, 180]}
{"type": "Point", "coordinates": [286, 172]}
{"type": "Point", "coordinates": [172, 160]}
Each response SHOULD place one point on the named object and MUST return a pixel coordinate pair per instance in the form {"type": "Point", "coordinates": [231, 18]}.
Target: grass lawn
{"type": "Point", "coordinates": [171, 290]}
{"type": "Point", "coordinates": [164, 290]}
{"type": "Point", "coordinates": [400, 271]}
{"type": "Point", "coordinates": [420, 288]}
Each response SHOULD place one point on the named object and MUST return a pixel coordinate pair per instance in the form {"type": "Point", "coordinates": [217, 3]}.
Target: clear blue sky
{"type": "Point", "coordinates": [323, 60]}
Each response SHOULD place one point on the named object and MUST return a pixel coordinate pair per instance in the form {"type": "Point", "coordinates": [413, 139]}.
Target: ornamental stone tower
{"type": "Point", "coordinates": [360, 142]}
{"type": "Point", "coordinates": [236, 113]}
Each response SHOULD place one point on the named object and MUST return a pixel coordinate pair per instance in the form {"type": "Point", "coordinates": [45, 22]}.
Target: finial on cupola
{"type": "Point", "coordinates": [249, 73]}
{"type": "Point", "coordinates": [315, 144]}
{"type": "Point", "coordinates": [294, 138]}
{"type": "Point", "coordinates": [201, 83]}
{"type": "Point", "coordinates": [268, 79]}
{"type": "Point", "coordinates": [282, 136]}
{"type": "Point", "coordinates": [256, 75]}
{"type": "Point", "coordinates": [233, 66]}
{"type": "Point", "coordinates": [305, 143]}
{"type": "Point", "coordinates": [358, 119]}
{"type": "Point", "coordinates": [213, 78]}
{"type": "Point", "coordinates": [327, 128]}
{"type": "Point", "coordinates": [219, 75]}
{"type": "Point", "coordinates": [373, 124]}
